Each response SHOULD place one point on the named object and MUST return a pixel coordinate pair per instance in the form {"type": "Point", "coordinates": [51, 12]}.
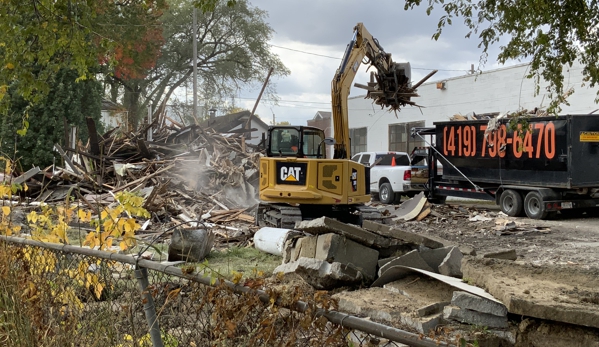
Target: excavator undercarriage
{"type": "Point", "coordinates": [285, 216]}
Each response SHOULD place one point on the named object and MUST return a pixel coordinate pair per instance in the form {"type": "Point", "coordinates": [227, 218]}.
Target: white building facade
{"type": "Point", "coordinates": [502, 90]}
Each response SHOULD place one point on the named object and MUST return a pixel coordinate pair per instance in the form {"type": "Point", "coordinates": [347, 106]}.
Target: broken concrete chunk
{"type": "Point", "coordinates": [431, 309]}
{"type": "Point", "coordinates": [423, 325]}
{"type": "Point", "coordinates": [474, 317]}
{"type": "Point", "coordinates": [452, 264]}
{"type": "Point", "coordinates": [507, 254]}
{"type": "Point", "coordinates": [406, 236]}
{"type": "Point", "coordinates": [336, 248]}
{"type": "Point", "coordinates": [411, 208]}
{"type": "Point", "coordinates": [325, 225]}
{"type": "Point", "coordinates": [476, 303]}
{"type": "Point", "coordinates": [288, 250]}
{"type": "Point", "coordinates": [304, 247]}
{"type": "Point", "coordinates": [411, 259]}
{"type": "Point", "coordinates": [434, 257]}
{"type": "Point", "coordinates": [321, 274]}
{"type": "Point", "coordinates": [454, 282]}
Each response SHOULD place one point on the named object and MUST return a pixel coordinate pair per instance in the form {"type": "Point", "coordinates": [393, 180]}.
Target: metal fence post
{"type": "Point", "coordinates": [150, 310]}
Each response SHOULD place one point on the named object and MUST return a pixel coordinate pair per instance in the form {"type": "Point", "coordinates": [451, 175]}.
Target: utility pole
{"type": "Point", "coordinates": [195, 63]}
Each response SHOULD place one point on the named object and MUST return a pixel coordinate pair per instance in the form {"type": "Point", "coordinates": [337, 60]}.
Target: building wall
{"type": "Point", "coordinates": [112, 119]}
{"type": "Point", "coordinates": [256, 136]}
{"type": "Point", "coordinates": [501, 90]}
{"type": "Point", "coordinates": [327, 125]}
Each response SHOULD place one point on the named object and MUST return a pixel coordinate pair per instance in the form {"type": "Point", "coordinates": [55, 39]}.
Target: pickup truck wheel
{"type": "Point", "coordinates": [511, 203]}
{"type": "Point", "coordinates": [534, 207]}
{"type": "Point", "coordinates": [386, 195]}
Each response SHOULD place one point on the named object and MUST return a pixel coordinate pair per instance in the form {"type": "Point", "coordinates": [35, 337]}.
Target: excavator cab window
{"type": "Point", "coordinates": [284, 142]}
{"type": "Point", "coordinates": [313, 146]}
{"type": "Point", "coordinates": [299, 142]}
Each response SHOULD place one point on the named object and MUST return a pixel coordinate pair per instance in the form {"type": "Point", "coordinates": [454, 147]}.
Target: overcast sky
{"type": "Point", "coordinates": [311, 35]}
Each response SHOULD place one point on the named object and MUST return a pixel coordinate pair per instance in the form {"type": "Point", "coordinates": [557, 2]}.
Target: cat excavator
{"type": "Point", "coordinates": [297, 181]}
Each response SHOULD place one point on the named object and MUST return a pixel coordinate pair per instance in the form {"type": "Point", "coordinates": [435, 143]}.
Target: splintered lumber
{"type": "Point", "coordinates": [67, 159]}
{"type": "Point", "coordinates": [392, 88]}
{"type": "Point", "coordinates": [93, 136]}
{"type": "Point", "coordinates": [143, 179]}
{"type": "Point", "coordinates": [185, 172]}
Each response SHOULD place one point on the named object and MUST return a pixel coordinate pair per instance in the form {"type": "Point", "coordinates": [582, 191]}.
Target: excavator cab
{"type": "Point", "coordinates": [295, 141]}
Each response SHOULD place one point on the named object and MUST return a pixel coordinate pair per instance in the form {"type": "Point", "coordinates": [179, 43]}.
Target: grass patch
{"type": "Point", "coordinates": [245, 260]}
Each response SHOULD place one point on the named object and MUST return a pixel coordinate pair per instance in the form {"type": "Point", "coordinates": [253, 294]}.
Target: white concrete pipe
{"type": "Point", "coordinates": [271, 240]}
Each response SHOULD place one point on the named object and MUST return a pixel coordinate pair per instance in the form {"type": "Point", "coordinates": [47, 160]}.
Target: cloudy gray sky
{"type": "Point", "coordinates": [311, 35]}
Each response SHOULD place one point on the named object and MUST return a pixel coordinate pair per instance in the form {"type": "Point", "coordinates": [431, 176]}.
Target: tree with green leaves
{"type": "Point", "coordinates": [50, 54]}
{"type": "Point", "coordinates": [551, 34]}
{"type": "Point", "coordinates": [233, 53]}
{"type": "Point", "coordinates": [40, 38]}
{"type": "Point", "coordinates": [67, 104]}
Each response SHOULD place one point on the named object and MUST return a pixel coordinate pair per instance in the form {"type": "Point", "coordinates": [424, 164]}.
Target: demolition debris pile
{"type": "Point", "coordinates": [185, 173]}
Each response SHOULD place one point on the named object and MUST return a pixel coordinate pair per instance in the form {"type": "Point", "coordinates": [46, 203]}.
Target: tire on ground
{"type": "Point", "coordinates": [386, 194]}
{"type": "Point", "coordinates": [534, 207]}
{"type": "Point", "coordinates": [511, 203]}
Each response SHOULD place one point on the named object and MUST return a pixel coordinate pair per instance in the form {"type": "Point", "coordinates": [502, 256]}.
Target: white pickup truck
{"type": "Point", "coordinates": [390, 175]}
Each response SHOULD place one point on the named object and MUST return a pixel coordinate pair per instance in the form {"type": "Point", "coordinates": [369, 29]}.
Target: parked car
{"type": "Point", "coordinates": [390, 175]}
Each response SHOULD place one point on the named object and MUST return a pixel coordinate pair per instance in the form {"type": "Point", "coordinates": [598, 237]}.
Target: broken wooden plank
{"type": "Point", "coordinates": [66, 158]}
{"type": "Point", "coordinates": [143, 179]}
{"type": "Point", "coordinates": [27, 175]}
{"type": "Point", "coordinates": [93, 136]}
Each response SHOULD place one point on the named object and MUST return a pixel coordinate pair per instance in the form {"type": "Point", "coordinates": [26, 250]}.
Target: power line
{"type": "Point", "coordinates": [300, 51]}
{"type": "Point", "coordinates": [337, 58]}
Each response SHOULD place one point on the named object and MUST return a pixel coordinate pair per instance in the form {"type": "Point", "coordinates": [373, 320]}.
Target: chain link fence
{"type": "Point", "coordinates": [62, 295]}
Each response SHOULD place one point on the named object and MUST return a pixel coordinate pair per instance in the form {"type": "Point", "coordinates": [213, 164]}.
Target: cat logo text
{"type": "Point", "coordinates": [291, 173]}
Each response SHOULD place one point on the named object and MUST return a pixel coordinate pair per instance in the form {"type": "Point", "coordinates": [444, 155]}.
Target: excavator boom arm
{"type": "Point", "coordinates": [389, 86]}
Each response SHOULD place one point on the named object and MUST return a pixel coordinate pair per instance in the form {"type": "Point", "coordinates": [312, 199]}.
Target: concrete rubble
{"type": "Point", "coordinates": [322, 274]}
{"type": "Point", "coordinates": [185, 173]}
{"type": "Point", "coordinates": [472, 309]}
{"type": "Point", "coordinates": [333, 254]}
{"type": "Point", "coordinates": [420, 281]}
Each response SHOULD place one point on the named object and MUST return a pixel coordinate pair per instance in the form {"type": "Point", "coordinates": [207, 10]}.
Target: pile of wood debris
{"type": "Point", "coordinates": [185, 173]}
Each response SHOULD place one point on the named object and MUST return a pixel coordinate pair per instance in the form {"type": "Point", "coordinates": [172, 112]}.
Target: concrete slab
{"type": "Point", "coordinates": [474, 317]}
{"type": "Point", "coordinates": [410, 209]}
{"type": "Point", "coordinates": [395, 309]}
{"type": "Point", "coordinates": [454, 282]}
{"type": "Point", "coordinates": [325, 225]}
{"type": "Point", "coordinates": [562, 294]}
{"type": "Point", "coordinates": [452, 264]}
{"type": "Point", "coordinates": [405, 236]}
{"type": "Point", "coordinates": [411, 259]}
{"type": "Point", "coordinates": [321, 274]}
{"type": "Point", "coordinates": [476, 303]}
{"type": "Point", "coordinates": [429, 241]}
{"type": "Point", "coordinates": [434, 257]}
{"type": "Point", "coordinates": [421, 289]}
{"type": "Point", "coordinates": [432, 309]}
{"type": "Point", "coordinates": [304, 247]}
{"type": "Point", "coordinates": [336, 248]}
{"type": "Point", "coordinates": [509, 254]}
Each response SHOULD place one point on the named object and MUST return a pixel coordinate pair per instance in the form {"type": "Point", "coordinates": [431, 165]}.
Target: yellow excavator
{"type": "Point", "coordinates": [297, 180]}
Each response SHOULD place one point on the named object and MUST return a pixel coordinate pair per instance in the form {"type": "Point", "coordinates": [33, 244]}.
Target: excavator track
{"type": "Point", "coordinates": [278, 215]}
{"type": "Point", "coordinates": [285, 216]}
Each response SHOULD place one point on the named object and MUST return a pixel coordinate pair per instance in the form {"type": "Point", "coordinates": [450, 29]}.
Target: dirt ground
{"type": "Point", "coordinates": [561, 241]}
{"type": "Point", "coordinates": [557, 272]}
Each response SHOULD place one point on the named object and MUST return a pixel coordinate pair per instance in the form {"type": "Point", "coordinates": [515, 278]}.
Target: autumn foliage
{"type": "Point", "coordinates": [137, 36]}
